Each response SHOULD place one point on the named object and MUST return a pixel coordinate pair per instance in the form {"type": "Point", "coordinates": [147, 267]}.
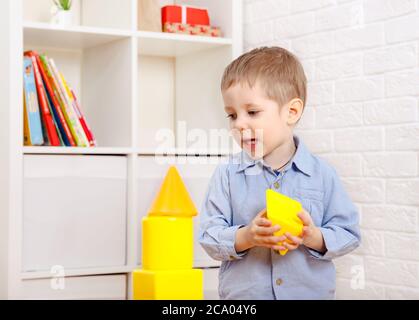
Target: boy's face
{"type": "Point", "coordinates": [259, 124]}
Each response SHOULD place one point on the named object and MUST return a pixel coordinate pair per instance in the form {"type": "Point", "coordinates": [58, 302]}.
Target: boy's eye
{"type": "Point", "coordinates": [231, 116]}
{"type": "Point", "coordinates": [252, 113]}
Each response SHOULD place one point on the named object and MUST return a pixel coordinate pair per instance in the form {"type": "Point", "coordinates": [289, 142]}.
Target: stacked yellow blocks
{"type": "Point", "coordinates": [167, 247]}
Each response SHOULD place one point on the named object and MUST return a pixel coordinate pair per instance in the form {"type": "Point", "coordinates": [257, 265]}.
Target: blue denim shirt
{"type": "Point", "coordinates": [236, 194]}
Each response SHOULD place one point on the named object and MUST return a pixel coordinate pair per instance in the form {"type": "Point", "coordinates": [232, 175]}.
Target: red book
{"type": "Point", "coordinates": [55, 104]}
{"type": "Point", "coordinates": [184, 14]}
{"type": "Point", "coordinates": [46, 114]}
{"type": "Point", "coordinates": [86, 128]}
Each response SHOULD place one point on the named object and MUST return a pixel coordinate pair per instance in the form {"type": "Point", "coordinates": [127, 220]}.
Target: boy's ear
{"type": "Point", "coordinates": [295, 110]}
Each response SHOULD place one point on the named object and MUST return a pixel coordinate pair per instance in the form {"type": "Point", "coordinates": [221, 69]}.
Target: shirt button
{"type": "Point", "coordinates": [276, 185]}
{"type": "Point", "coordinates": [278, 282]}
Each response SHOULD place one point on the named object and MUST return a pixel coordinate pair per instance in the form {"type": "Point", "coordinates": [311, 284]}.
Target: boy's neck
{"type": "Point", "coordinates": [280, 156]}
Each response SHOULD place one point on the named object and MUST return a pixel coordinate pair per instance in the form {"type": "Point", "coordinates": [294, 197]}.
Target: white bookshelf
{"type": "Point", "coordinates": [70, 38]}
{"type": "Point", "coordinates": [76, 150]}
{"type": "Point", "coordinates": [82, 207]}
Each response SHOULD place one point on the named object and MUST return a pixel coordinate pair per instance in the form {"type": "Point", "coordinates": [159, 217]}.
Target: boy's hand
{"type": "Point", "coordinates": [259, 233]}
{"type": "Point", "coordinates": [311, 236]}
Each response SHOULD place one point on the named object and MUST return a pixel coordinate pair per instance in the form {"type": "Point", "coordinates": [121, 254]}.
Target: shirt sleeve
{"type": "Point", "coordinates": [340, 225]}
{"type": "Point", "coordinates": [216, 233]}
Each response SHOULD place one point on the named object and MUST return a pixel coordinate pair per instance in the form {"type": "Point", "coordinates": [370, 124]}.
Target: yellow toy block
{"type": "Point", "coordinates": [282, 211]}
{"type": "Point", "coordinates": [173, 198]}
{"type": "Point", "coordinates": [168, 284]}
{"type": "Point", "coordinates": [167, 247]}
{"type": "Point", "coordinates": [167, 243]}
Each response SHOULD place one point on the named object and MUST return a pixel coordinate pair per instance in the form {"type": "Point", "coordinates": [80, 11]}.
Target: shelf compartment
{"type": "Point", "coordinates": [220, 12]}
{"type": "Point", "coordinates": [101, 78]}
{"type": "Point", "coordinates": [180, 103]}
{"type": "Point", "coordinates": [93, 287]}
{"type": "Point", "coordinates": [74, 211]}
{"type": "Point", "coordinates": [196, 173]}
{"type": "Point", "coordinates": [88, 13]}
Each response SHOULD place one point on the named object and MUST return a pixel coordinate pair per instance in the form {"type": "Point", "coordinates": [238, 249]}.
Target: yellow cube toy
{"type": "Point", "coordinates": [166, 243]}
{"type": "Point", "coordinates": [168, 284]}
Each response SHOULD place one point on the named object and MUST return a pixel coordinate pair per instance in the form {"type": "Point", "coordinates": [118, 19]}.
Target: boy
{"type": "Point", "coordinates": [264, 93]}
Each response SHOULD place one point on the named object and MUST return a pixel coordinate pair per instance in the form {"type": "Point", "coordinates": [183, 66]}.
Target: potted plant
{"type": "Point", "coordinates": [62, 13]}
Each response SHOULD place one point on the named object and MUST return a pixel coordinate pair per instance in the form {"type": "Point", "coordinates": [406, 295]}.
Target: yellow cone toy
{"type": "Point", "coordinates": [167, 247]}
{"type": "Point", "coordinates": [282, 211]}
{"type": "Point", "coordinates": [173, 198]}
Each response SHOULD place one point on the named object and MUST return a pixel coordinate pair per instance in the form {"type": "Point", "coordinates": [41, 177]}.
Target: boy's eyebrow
{"type": "Point", "coordinates": [251, 105]}
{"type": "Point", "coordinates": [246, 105]}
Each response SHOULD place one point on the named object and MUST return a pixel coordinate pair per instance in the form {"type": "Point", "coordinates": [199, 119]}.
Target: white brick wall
{"type": "Point", "coordinates": [362, 61]}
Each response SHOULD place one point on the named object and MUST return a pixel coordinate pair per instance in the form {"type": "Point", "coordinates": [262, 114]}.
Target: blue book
{"type": "Point", "coordinates": [61, 133]}
{"type": "Point", "coordinates": [33, 134]}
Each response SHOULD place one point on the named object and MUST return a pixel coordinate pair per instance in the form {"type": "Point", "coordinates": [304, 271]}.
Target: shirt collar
{"type": "Point", "coordinates": [302, 159]}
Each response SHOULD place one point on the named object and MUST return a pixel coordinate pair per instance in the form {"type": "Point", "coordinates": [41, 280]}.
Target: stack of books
{"type": "Point", "coordinates": [52, 114]}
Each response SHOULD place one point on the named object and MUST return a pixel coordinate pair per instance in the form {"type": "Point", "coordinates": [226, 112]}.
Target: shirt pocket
{"type": "Point", "coordinates": [312, 202]}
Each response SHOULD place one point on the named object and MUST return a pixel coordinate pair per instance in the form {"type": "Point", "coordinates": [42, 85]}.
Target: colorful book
{"type": "Point", "coordinates": [86, 128]}
{"type": "Point", "coordinates": [77, 109]}
{"type": "Point", "coordinates": [45, 134]}
{"type": "Point", "coordinates": [48, 123]}
{"type": "Point", "coordinates": [55, 103]}
{"type": "Point", "coordinates": [54, 118]}
{"type": "Point", "coordinates": [34, 134]}
{"type": "Point", "coordinates": [62, 103]}
{"type": "Point", "coordinates": [61, 121]}
{"type": "Point", "coordinates": [72, 119]}
{"type": "Point", "coordinates": [26, 132]}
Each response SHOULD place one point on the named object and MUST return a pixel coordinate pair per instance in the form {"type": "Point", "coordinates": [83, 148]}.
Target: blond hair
{"type": "Point", "coordinates": [278, 71]}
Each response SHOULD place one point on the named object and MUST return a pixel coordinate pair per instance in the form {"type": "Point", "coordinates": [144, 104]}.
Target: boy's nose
{"type": "Point", "coordinates": [240, 124]}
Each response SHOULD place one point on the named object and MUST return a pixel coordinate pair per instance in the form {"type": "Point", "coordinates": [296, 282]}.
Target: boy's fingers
{"type": "Point", "coordinates": [290, 246]}
{"type": "Point", "coordinates": [295, 240]}
{"type": "Point", "coordinates": [305, 232]}
{"type": "Point", "coordinates": [267, 240]}
{"type": "Point", "coordinates": [305, 218]}
{"type": "Point", "coordinates": [272, 240]}
{"type": "Point", "coordinates": [279, 248]}
{"type": "Point", "coordinates": [266, 231]}
{"type": "Point", "coordinates": [261, 213]}
{"type": "Point", "coordinates": [263, 222]}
